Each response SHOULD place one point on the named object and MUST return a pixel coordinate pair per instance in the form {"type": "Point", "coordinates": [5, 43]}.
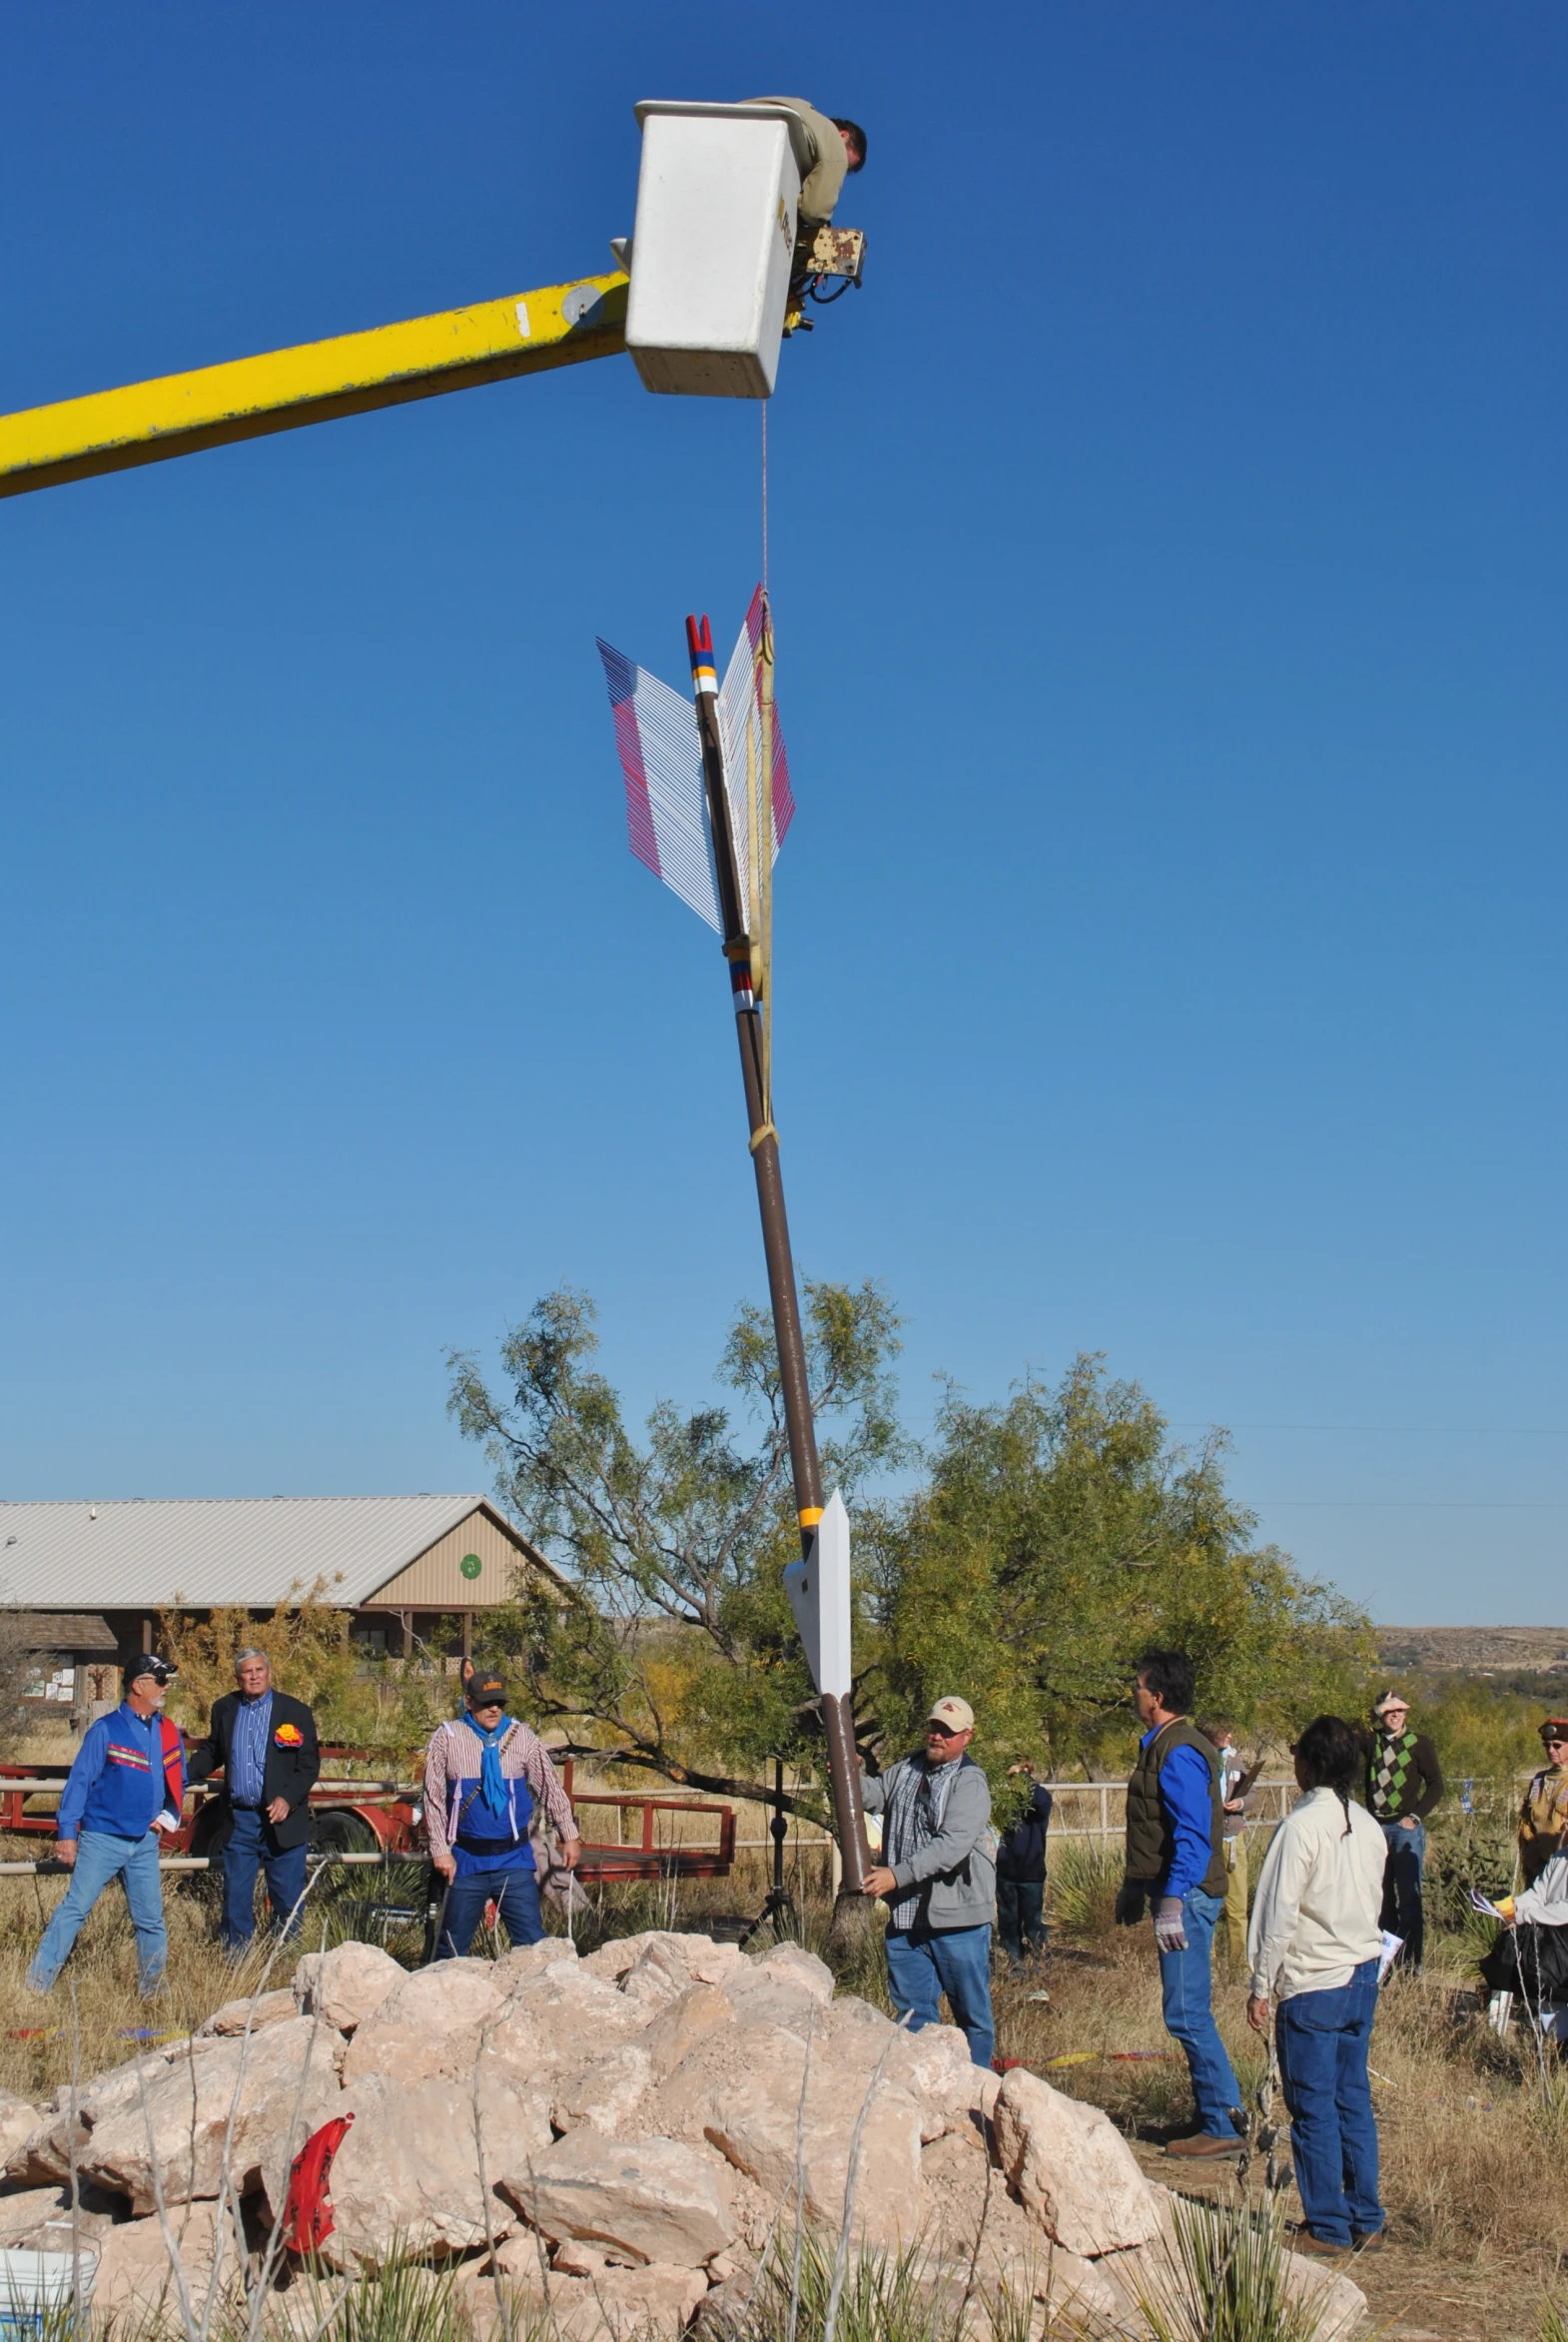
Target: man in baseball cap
{"type": "Point", "coordinates": [124, 1793]}
{"type": "Point", "coordinates": [938, 1878]}
{"type": "Point", "coordinates": [1543, 1817]}
{"type": "Point", "coordinates": [484, 1778]}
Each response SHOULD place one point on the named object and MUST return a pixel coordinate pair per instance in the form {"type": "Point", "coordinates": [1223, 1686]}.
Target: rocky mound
{"type": "Point", "coordinates": [624, 2131]}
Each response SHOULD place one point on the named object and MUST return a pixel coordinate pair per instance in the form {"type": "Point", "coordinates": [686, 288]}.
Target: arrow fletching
{"type": "Point", "coordinates": [667, 809]}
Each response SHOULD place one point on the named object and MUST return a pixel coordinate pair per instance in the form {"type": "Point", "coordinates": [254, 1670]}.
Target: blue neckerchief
{"type": "Point", "coordinates": [492, 1787]}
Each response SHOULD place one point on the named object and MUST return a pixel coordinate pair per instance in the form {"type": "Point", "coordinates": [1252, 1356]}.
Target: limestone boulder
{"type": "Point", "coordinates": [1079, 2296]}
{"type": "Point", "coordinates": [264, 2095]}
{"type": "Point", "coordinates": [531, 1960]}
{"type": "Point", "coordinates": [659, 1975]}
{"type": "Point", "coordinates": [39, 2219]}
{"type": "Point", "coordinates": [608, 2304]}
{"type": "Point", "coordinates": [606, 2095]}
{"type": "Point", "coordinates": [682, 2024]}
{"type": "Point", "coordinates": [789, 1987]}
{"type": "Point", "coordinates": [347, 1984]}
{"type": "Point", "coordinates": [721, 2061]}
{"type": "Point", "coordinates": [646, 2200]}
{"type": "Point", "coordinates": [428, 2025]}
{"type": "Point", "coordinates": [405, 2176]}
{"type": "Point", "coordinates": [19, 2119]}
{"type": "Point", "coordinates": [704, 1962]}
{"type": "Point", "coordinates": [755, 2123]}
{"type": "Point", "coordinates": [1338, 2306]}
{"type": "Point", "coordinates": [136, 2276]}
{"type": "Point", "coordinates": [559, 2022]}
{"type": "Point", "coordinates": [933, 2066]}
{"type": "Point", "coordinates": [44, 2158]}
{"type": "Point", "coordinates": [1072, 2169]}
{"type": "Point", "coordinates": [256, 2013]}
{"type": "Point", "coordinates": [789, 1963]}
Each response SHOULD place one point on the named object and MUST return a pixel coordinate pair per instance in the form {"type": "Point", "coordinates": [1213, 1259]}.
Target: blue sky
{"type": "Point", "coordinates": [1168, 554]}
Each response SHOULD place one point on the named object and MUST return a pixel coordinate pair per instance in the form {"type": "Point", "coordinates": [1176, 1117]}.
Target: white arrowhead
{"type": "Point", "coordinates": [818, 1590]}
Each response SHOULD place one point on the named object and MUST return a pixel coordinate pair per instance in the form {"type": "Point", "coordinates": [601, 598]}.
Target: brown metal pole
{"type": "Point", "coordinates": [837, 1715]}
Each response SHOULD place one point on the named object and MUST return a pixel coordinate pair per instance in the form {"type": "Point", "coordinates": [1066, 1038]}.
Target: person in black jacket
{"type": "Point", "coordinates": [266, 1747]}
{"type": "Point", "coordinates": [1021, 1875]}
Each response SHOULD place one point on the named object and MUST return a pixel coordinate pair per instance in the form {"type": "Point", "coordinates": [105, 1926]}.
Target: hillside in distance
{"type": "Point", "coordinates": [1475, 1650]}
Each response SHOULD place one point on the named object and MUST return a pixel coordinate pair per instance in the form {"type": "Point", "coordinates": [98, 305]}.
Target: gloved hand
{"type": "Point", "coordinates": [1131, 1897]}
{"type": "Point", "coordinates": [1169, 1926]}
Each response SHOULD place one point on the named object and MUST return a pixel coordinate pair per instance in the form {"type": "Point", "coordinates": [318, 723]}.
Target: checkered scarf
{"type": "Point", "coordinates": [917, 1802]}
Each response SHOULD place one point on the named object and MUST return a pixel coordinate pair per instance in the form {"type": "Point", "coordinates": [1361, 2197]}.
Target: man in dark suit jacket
{"type": "Point", "coordinates": [266, 1747]}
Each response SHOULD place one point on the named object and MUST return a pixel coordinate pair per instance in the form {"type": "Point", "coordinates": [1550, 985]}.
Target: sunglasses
{"type": "Point", "coordinates": [944, 1731]}
{"type": "Point", "coordinates": [1554, 1742]}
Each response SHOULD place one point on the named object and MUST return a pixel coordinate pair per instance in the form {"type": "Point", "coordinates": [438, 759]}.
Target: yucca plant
{"type": "Point", "coordinates": [887, 2297]}
{"type": "Point", "coordinates": [1084, 1876]}
{"type": "Point", "coordinates": [1224, 2280]}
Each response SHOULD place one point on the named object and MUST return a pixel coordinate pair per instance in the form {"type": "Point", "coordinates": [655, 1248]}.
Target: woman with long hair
{"type": "Point", "coordinates": [1313, 1950]}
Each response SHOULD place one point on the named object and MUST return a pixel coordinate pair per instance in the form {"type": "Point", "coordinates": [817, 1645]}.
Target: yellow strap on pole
{"type": "Point", "coordinates": [177, 414]}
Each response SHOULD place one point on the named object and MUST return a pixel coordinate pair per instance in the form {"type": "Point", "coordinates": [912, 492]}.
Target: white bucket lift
{"type": "Point", "coordinates": [717, 197]}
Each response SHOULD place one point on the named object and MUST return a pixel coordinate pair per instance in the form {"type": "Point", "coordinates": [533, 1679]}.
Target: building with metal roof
{"type": "Point", "coordinates": [409, 1568]}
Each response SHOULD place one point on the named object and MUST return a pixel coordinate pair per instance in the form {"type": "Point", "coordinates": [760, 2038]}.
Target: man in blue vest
{"type": "Point", "coordinates": [1175, 1863]}
{"type": "Point", "coordinates": [125, 1791]}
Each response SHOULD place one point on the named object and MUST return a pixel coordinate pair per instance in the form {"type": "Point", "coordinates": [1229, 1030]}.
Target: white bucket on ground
{"type": "Point", "coordinates": [36, 2289]}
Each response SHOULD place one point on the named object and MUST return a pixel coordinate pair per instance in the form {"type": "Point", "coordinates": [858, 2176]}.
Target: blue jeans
{"type": "Point", "coordinates": [102, 1854]}
{"type": "Point", "coordinates": [1190, 2018]}
{"type": "Point", "coordinates": [955, 1961]}
{"type": "Point", "coordinates": [1322, 2039]}
{"type": "Point", "coordinates": [248, 1851]}
{"type": "Point", "coordinates": [1020, 1907]}
{"type": "Point", "coordinates": [1403, 1911]}
{"type": "Point", "coordinates": [516, 1893]}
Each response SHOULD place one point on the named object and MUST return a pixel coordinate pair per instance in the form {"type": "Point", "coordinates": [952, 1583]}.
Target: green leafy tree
{"type": "Point", "coordinates": [675, 1646]}
{"type": "Point", "coordinates": [1060, 1534]}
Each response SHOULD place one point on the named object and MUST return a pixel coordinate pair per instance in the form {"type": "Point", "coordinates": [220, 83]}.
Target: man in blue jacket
{"type": "Point", "coordinates": [125, 1790]}
{"type": "Point", "coordinates": [1175, 1862]}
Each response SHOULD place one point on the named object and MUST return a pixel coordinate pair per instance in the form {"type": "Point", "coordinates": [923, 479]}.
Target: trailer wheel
{"type": "Point", "coordinates": [340, 1830]}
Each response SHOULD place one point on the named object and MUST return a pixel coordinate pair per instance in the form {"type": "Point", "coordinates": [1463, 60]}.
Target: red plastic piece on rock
{"type": "Point", "coordinates": [308, 2208]}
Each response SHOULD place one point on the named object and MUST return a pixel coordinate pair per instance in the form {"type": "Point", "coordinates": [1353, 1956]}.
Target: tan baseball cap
{"type": "Point", "coordinates": [956, 1715]}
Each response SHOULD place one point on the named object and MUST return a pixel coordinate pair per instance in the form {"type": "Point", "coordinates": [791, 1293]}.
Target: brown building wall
{"type": "Point", "coordinates": [436, 1580]}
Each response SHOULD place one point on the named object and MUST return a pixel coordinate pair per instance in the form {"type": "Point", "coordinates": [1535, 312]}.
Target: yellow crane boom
{"type": "Point", "coordinates": [110, 430]}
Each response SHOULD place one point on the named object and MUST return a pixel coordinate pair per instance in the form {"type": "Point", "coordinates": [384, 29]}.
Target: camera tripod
{"type": "Point", "coordinates": [778, 1910]}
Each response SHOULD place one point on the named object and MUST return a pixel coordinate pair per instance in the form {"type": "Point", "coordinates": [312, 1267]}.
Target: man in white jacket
{"type": "Point", "coordinates": [1313, 1950]}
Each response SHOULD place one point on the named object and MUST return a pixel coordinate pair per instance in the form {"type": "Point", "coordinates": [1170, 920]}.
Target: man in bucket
{"type": "Point", "coordinates": [483, 1776]}
{"type": "Point", "coordinates": [123, 1795]}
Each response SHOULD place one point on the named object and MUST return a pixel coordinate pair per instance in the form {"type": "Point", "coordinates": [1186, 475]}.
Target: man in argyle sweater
{"type": "Point", "coordinates": [1404, 1783]}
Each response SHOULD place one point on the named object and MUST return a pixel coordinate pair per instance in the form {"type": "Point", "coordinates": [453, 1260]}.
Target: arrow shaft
{"type": "Point", "coordinates": [788, 1331]}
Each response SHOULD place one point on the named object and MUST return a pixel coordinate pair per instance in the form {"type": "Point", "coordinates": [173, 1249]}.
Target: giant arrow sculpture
{"type": "Point", "coordinates": [707, 806]}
